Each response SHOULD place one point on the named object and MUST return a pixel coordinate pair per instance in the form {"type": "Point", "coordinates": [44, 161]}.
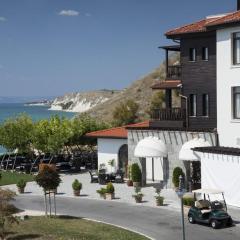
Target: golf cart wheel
{"type": "Point", "coordinates": [229, 222]}
{"type": "Point", "coordinates": [191, 219]}
{"type": "Point", "coordinates": [214, 224]}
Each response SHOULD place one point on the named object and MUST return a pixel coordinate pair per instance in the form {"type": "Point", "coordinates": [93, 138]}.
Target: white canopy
{"type": "Point", "coordinates": [187, 154]}
{"type": "Point", "coordinates": [151, 147]}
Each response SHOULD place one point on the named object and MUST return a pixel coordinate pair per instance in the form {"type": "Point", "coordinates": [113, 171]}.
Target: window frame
{"type": "Point", "coordinates": [205, 57]}
{"type": "Point", "coordinates": [234, 94]}
{"type": "Point", "coordinates": [234, 39]}
{"type": "Point", "coordinates": [191, 51]}
{"type": "Point", "coordinates": [205, 104]}
{"type": "Point", "coordinates": [193, 105]}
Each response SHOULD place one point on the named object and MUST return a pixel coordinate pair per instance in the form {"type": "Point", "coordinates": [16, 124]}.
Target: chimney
{"type": "Point", "coordinates": [238, 5]}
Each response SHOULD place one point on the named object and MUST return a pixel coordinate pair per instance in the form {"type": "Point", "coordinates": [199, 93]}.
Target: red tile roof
{"type": "Point", "coordinates": [199, 26]}
{"type": "Point", "coordinates": [118, 132]}
{"type": "Point", "coordinates": [168, 84]}
{"type": "Point", "coordinates": [229, 18]}
{"type": "Point", "coordinates": [204, 24]}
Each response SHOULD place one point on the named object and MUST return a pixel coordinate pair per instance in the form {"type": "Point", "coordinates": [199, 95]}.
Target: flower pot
{"type": "Point", "coordinates": [129, 183]}
{"type": "Point", "coordinates": [138, 199]}
{"type": "Point", "coordinates": [21, 190]}
{"type": "Point", "coordinates": [76, 193]}
{"type": "Point", "coordinates": [109, 196]}
{"type": "Point", "coordinates": [136, 184]}
{"type": "Point", "coordinates": [186, 209]}
{"type": "Point", "coordinates": [159, 201]}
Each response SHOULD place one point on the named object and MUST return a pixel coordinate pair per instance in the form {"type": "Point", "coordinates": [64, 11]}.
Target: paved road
{"type": "Point", "coordinates": [159, 224]}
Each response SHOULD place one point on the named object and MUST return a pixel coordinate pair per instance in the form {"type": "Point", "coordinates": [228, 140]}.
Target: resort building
{"type": "Point", "coordinates": [204, 128]}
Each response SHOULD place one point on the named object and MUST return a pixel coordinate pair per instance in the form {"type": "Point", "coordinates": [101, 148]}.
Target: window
{"type": "Point", "coordinates": [193, 105]}
{"type": "Point", "coordinates": [205, 56]}
{"type": "Point", "coordinates": [192, 54]}
{"type": "Point", "coordinates": [236, 48]}
{"type": "Point", "coordinates": [236, 102]}
{"type": "Point", "coordinates": [205, 105]}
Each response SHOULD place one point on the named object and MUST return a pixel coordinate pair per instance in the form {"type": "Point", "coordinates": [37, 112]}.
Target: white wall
{"type": "Point", "coordinates": [215, 171]}
{"type": "Point", "coordinates": [158, 169]}
{"type": "Point", "coordinates": [108, 150]}
{"type": "Point", "coordinates": [228, 76]}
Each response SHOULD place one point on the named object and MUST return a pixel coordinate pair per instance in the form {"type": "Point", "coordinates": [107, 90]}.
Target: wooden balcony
{"type": "Point", "coordinates": [174, 72]}
{"type": "Point", "coordinates": [169, 117]}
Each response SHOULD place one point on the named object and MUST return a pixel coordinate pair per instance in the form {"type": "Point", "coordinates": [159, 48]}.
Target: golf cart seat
{"type": "Point", "coordinates": [203, 205]}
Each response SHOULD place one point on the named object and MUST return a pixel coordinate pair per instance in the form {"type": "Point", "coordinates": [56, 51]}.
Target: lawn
{"type": "Point", "coordinates": [66, 228]}
{"type": "Point", "coordinates": [13, 177]}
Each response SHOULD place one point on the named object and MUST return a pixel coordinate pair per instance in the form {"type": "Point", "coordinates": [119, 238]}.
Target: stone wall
{"type": "Point", "coordinates": [174, 141]}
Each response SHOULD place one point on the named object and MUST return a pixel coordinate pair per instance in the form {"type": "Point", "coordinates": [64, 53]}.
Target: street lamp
{"type": "Point", "coordinates": [180, 194]}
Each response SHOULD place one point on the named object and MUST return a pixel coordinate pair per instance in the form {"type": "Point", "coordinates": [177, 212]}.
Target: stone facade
{"type": "Point", "coordinates": [174, 141]}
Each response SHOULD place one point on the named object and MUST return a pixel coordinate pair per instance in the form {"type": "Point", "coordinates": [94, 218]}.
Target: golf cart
{"type": "Point", "coordinates": [213, 213]}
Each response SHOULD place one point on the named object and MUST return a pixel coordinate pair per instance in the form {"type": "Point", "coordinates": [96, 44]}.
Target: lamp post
{"type": "Point", "coordinates": [180, 193]}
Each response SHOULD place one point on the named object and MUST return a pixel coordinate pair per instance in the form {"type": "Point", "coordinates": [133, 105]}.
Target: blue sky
{"type": "Point", "coordinates": [51, 47]}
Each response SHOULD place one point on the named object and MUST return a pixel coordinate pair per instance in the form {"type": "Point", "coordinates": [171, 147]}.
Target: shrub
{"type": "Point", "coordinates": [76, 185]}
{"type": "Point", "coordinates": [21, 183]}
{"type": "Point", "coordinates": [48, 178]}
{"type": "Point", "coordinates": [188, 201]}
{"type": "Point", "coordinates": [177, 172]}
{"type": "Point", "coordinates": [102, 191]}
{"type": "Point", "coordinates": [110, 188]}
{"type": "Point", "coordinates": [136, 173]}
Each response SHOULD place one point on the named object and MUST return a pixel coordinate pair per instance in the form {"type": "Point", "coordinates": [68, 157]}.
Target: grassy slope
{"type": "Point", "coordinates": [140, 91]}
{"type": "Point", "coordinates": [13, 177]}
{"type": "Point", "coordinates": [68, 228]}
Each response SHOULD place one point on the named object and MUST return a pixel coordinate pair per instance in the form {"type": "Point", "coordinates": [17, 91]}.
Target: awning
{"type": "Point", "coordinates": [151, 147]}
{"type": "Point", "coordinates": [187, 154]}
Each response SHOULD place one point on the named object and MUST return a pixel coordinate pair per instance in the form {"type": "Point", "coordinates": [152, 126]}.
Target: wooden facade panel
{"type": "Point", "coordinates": [199, 77]}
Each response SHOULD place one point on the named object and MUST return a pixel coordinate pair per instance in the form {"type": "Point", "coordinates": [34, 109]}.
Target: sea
{"type": "Point", "coordinates": [8, 110]}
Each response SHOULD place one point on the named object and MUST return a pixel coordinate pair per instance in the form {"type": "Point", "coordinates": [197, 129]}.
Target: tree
{"type": "Point", "coordinates": [177, 172]}
{"type": "Point", "coordinates": [49, 179]}
{"type": "Point", "coordinates": [16, 133]}
{"type": "Point", "coordinates": [125, 113]}
{"type": "Point", "coordinates": [157, 100]}
{"type": "Point", "coordinates": [7, 209]}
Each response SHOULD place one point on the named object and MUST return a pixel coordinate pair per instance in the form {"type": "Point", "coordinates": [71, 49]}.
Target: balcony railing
{"type": "Point", "coordinates": [174, 72]}
{"type": "Point", "coordinates": [169, 114]}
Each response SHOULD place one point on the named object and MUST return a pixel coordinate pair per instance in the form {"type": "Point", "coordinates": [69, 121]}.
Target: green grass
{"type": "Point", "coordinates": [13, 177]}
{"type": "Point", "coordinates": [67, 228]}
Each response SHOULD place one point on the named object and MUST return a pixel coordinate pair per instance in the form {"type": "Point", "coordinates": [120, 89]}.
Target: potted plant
{"type": "Point", "coordinates": [138, 195]}
{"type": "Point", "coordinates": [188, 202]}
{"type": "Point", "coordinates": [76, 186]}
{"type": "Point", "coordinates": [102, 192]}
{"type": "Point", "coordinates": [159, 198]}
{"type": "Point", "coordinates": [21, 184]}
{"type": "Point", "coordinates": [110, 191]}
{"type": "Point", "coordinates": [177, 172]}
{"type": "Point", "coordinates": [136, 175]}
{"type": "Point", "coordinates": [129, 175]}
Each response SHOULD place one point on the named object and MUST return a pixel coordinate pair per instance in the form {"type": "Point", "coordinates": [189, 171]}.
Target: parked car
{"type": "Point", "coordinates": [213, 213]}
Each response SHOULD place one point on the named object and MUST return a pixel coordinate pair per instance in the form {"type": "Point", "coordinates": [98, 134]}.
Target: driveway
{"type": "Point", "coordinates": [160, 224]}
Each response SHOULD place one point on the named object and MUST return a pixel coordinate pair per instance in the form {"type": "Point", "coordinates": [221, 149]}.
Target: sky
{"type": "Point", "coordinates": [53, 47]}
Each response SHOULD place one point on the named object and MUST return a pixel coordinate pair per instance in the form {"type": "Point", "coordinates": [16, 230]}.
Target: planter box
{"type": "Point", "coordinates": [21, 190]}
{"type": "Point", "coordinates": [76, 193]}
{"type": "Point", "coordinates": [186, 209]}
{"type": "Point", "coordinates": [159, 202]}
{"type": "Point", "coordinates": [129, 183]}
{"type": "Point", "coordinates": [109, 196]}
{"type": "Point", "coordinates": [138, 199]}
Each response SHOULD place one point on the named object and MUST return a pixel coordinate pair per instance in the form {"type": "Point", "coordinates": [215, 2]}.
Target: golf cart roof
{"type": "Point", "coordinates": [208, 191]}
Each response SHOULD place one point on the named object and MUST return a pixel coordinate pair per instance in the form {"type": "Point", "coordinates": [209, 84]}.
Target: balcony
{"type": "Point", "coordinates": [174, 72]}
{"type": "Point", "coordinates": [169, 117]}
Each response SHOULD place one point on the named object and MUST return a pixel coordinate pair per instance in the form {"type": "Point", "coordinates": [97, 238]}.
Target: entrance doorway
{"type": "Point", "coordinates": [123, 158]}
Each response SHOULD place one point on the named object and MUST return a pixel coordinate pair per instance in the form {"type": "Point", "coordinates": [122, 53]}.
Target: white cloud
{"type": "Point", "coordinates": [3, 19]}
{"type": "Point", "coordinates": [68, 13]}
{"type": "Point", "coordinates": [88, 14]}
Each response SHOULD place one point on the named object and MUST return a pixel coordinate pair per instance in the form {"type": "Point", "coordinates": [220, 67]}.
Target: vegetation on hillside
{"type": "Point", "coordinates": [125, 113]}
